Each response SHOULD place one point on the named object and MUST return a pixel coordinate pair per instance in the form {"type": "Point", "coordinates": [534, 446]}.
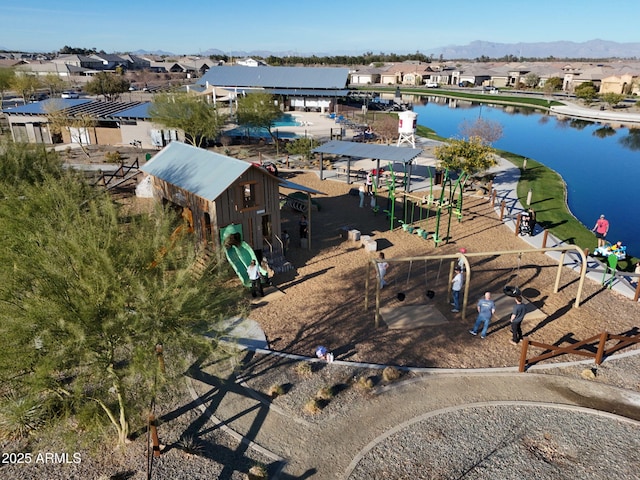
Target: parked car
{"type": "Point", "coordinates": [431, 84]}
{"type": "Point", "coordinates": [465, 84]}
{"type": "Point", "coordinates": [69, 94]}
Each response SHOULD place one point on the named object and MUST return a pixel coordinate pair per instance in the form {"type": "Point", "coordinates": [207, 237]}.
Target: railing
{"type": "Point", "coordinates": [593, 347]}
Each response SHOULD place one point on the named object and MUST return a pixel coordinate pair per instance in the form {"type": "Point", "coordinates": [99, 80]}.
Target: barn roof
{"type": "Point", "coordinates": [201, 172]}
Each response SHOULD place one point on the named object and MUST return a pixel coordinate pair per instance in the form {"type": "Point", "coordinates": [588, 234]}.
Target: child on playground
{"type": "Point", "coordinates": [324, 354]}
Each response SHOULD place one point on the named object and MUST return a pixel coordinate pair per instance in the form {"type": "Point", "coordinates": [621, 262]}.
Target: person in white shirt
{"type": "Point", "coordinates": [382, 269]}
{"type": "Point", "coordinates": [253, 270]}
{"type": "Point", "coordinates": [456, 286]}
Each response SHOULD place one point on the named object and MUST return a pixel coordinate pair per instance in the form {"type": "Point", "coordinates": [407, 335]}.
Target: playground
{"type": "Point", "coordinates": [324, 297]}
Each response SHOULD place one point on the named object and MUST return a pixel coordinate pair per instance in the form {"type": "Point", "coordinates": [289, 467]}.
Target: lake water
{"type": "Point", "coordinates": [600, 166]}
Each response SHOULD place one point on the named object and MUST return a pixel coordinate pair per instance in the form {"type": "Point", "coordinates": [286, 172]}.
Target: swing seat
{"type": "Point", "coordinates": [511, 291]}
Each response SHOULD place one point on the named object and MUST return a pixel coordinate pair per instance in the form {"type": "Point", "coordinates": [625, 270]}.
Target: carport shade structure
{"type": "Point", "coordinates": [375, 152]}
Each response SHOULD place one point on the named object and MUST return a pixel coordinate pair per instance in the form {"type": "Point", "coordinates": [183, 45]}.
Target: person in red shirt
{"type": "Point", "coordinates": [601, 228]}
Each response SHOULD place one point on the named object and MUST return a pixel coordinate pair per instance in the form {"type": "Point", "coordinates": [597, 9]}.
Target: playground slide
{"type": "Point", "coordinates": [240, 258]}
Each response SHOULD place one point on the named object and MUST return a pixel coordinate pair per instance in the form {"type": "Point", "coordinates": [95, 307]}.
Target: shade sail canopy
{"type": "Point", "coordinates": [368, 150]}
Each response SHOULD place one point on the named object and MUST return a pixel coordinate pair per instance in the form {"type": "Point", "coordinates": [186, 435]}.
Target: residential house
{"type": "Point", "coordinates": [365, 76]}
{"type": "Point", "coordinates": [250, 62]}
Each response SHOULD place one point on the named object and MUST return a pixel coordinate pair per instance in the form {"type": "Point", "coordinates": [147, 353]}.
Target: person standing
{"type": "Point", "coordinates": [601, 228]}
{"type": "Point", "coordinates": [369, 183]}
{"type": "Point", "coordinates": [253, 271]}
{"type": "Point", "coordinates": [304, 226]}
{"type": "Point", "coordinates": [456, 286]}
{"type": "Point", "coordinates": [361, 193]}
{"type": "Point", "coordinates": [517, 316]}
{"type": "Point", "coordinates": [486, 310]}
{"type": "Point", "coordinates": [383, 266]}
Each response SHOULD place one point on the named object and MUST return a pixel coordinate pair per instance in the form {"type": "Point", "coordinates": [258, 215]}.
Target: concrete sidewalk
{"type": "Point", "coordinates": [506, 185]}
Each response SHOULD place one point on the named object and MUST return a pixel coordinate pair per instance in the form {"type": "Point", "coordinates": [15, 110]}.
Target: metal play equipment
{"type": "Point", "coordinates": [372, 265]}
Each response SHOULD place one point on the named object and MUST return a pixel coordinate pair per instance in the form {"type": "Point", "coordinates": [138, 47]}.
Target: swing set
{"type": "Point", "coordinates": [429, 292]}
{"type": "Point", "coordinates": [449, 203]}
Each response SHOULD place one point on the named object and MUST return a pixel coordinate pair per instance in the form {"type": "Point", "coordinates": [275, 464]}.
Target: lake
{"type": "Point", "coordinates": [600, 165]}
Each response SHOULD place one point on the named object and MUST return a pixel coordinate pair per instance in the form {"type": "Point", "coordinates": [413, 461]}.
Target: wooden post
{"type": "Point", "coordinates": [503, 204]}
{"type": "Point", "coordinates": [493, 197]}
{"type": "Point", "coordinates": [154, 436]}
{"type": "Point", "coordinates": [523, 354]}
{"type": "Point", "coordinates": [556, 287]}
{"type": "Point", "coordinates": [637, 295]}
{"type": "Point", "coordinates": [545, 235]}
{"type": "Point", "coordinates": [600, 353]}
{"type": "Point", "coordinates": [287, 160]}
{"type": "Point", "coordinates": [586, 252]}
{"type": "Point", "coordinates": [518, 220]}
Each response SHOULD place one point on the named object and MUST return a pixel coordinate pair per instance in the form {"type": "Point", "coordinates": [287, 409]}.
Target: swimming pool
{"type": "Point", "coordinates": [258, 133]}
{"type": "Point", "coordinates": [287, 120]}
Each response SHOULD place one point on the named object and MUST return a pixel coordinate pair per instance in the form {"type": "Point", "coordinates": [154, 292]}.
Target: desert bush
{"type": "Point", "coordinates": [113, 157]}
{"type": "Point", "coordinates": [275, 391]}
{"type": "Point", "coordinates": [312, 406]}
{"type": "Point", "coordinates": [304, 369]}
{"type": "Point", "coordinates": [20, 415]}
{"type": "Point", "coordinates": [191, 445]}
{"type": "Point", "coordinates": [390, 374]}
{"type": "Point", "coordinates": [325, 393]}
{"type": "Point", "coordinates": [257, 472]}
{"type": "Point", "coordinates": [364, 383]}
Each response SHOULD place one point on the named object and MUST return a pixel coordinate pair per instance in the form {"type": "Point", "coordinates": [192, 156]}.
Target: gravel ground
{"type": "Point", "coordinates": [506, 442]}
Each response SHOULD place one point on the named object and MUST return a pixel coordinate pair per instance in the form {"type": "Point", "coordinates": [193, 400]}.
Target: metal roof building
{"type": "Point", "coordinates": [299, 87]}
{"type": "Point", "coordinates": [277, 77]}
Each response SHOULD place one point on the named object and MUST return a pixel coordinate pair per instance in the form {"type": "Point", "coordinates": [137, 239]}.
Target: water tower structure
{"type": "Point", "coordinates": [407, 121]}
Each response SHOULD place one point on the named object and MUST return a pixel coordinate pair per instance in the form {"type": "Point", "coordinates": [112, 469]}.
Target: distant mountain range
{"type": "Point", "coordinates": [561, 49]}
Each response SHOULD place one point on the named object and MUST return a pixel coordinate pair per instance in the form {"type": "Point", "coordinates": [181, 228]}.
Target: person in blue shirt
{"type": "Point", "coordinates": [486, 310]}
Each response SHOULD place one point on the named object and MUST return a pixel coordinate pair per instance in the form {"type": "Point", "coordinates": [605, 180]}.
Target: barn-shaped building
{"type": "Point", "coordinates": [216, 192]}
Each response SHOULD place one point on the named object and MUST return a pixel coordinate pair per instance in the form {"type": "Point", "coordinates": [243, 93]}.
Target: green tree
{"type": "Point", "coordinates": [25, 85]}
{"type": "Point", "coordinates": [79, 127]}
{"type": "Point", "coordinates": [258, 110]}
{"type": "Point", "coordinates": [587, 92]}
{"type": "Point", "coordinates": [469, 156]}
{"type": "Point", "coordinates": [554, 83]}
{"type": "Point", "coordinates": [302, 146]}
{"type": "Point", "coordinates": [531, 80]}
{"type": "Point", "coordinates": [612, 99]}
{"type": "Point", "coordinates": [88, 294]}
{"type": "Point", "coordinates": [109, 85]}
{"type": "Point", "coordinates": [200, 121]}
{"type": "Point", "coordinates": [6, 81]}
{"type": "Point", "coordinates": [53, 83]}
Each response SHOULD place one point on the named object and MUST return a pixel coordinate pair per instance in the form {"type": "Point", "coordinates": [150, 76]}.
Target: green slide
{"type": "Point", "coordinates": [239, 254]}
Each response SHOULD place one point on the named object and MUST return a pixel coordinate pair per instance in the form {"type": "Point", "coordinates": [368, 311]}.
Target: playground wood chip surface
{"type": "Point", "coordinates": [323, 301]}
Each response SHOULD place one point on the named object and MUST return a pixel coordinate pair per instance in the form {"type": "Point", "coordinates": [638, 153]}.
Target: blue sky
{"type": "Point", "coordinates": [307, 26]}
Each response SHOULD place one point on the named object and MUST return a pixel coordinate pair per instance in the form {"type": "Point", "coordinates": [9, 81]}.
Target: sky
{"type": "Point", "coordinates": [330, 27]}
